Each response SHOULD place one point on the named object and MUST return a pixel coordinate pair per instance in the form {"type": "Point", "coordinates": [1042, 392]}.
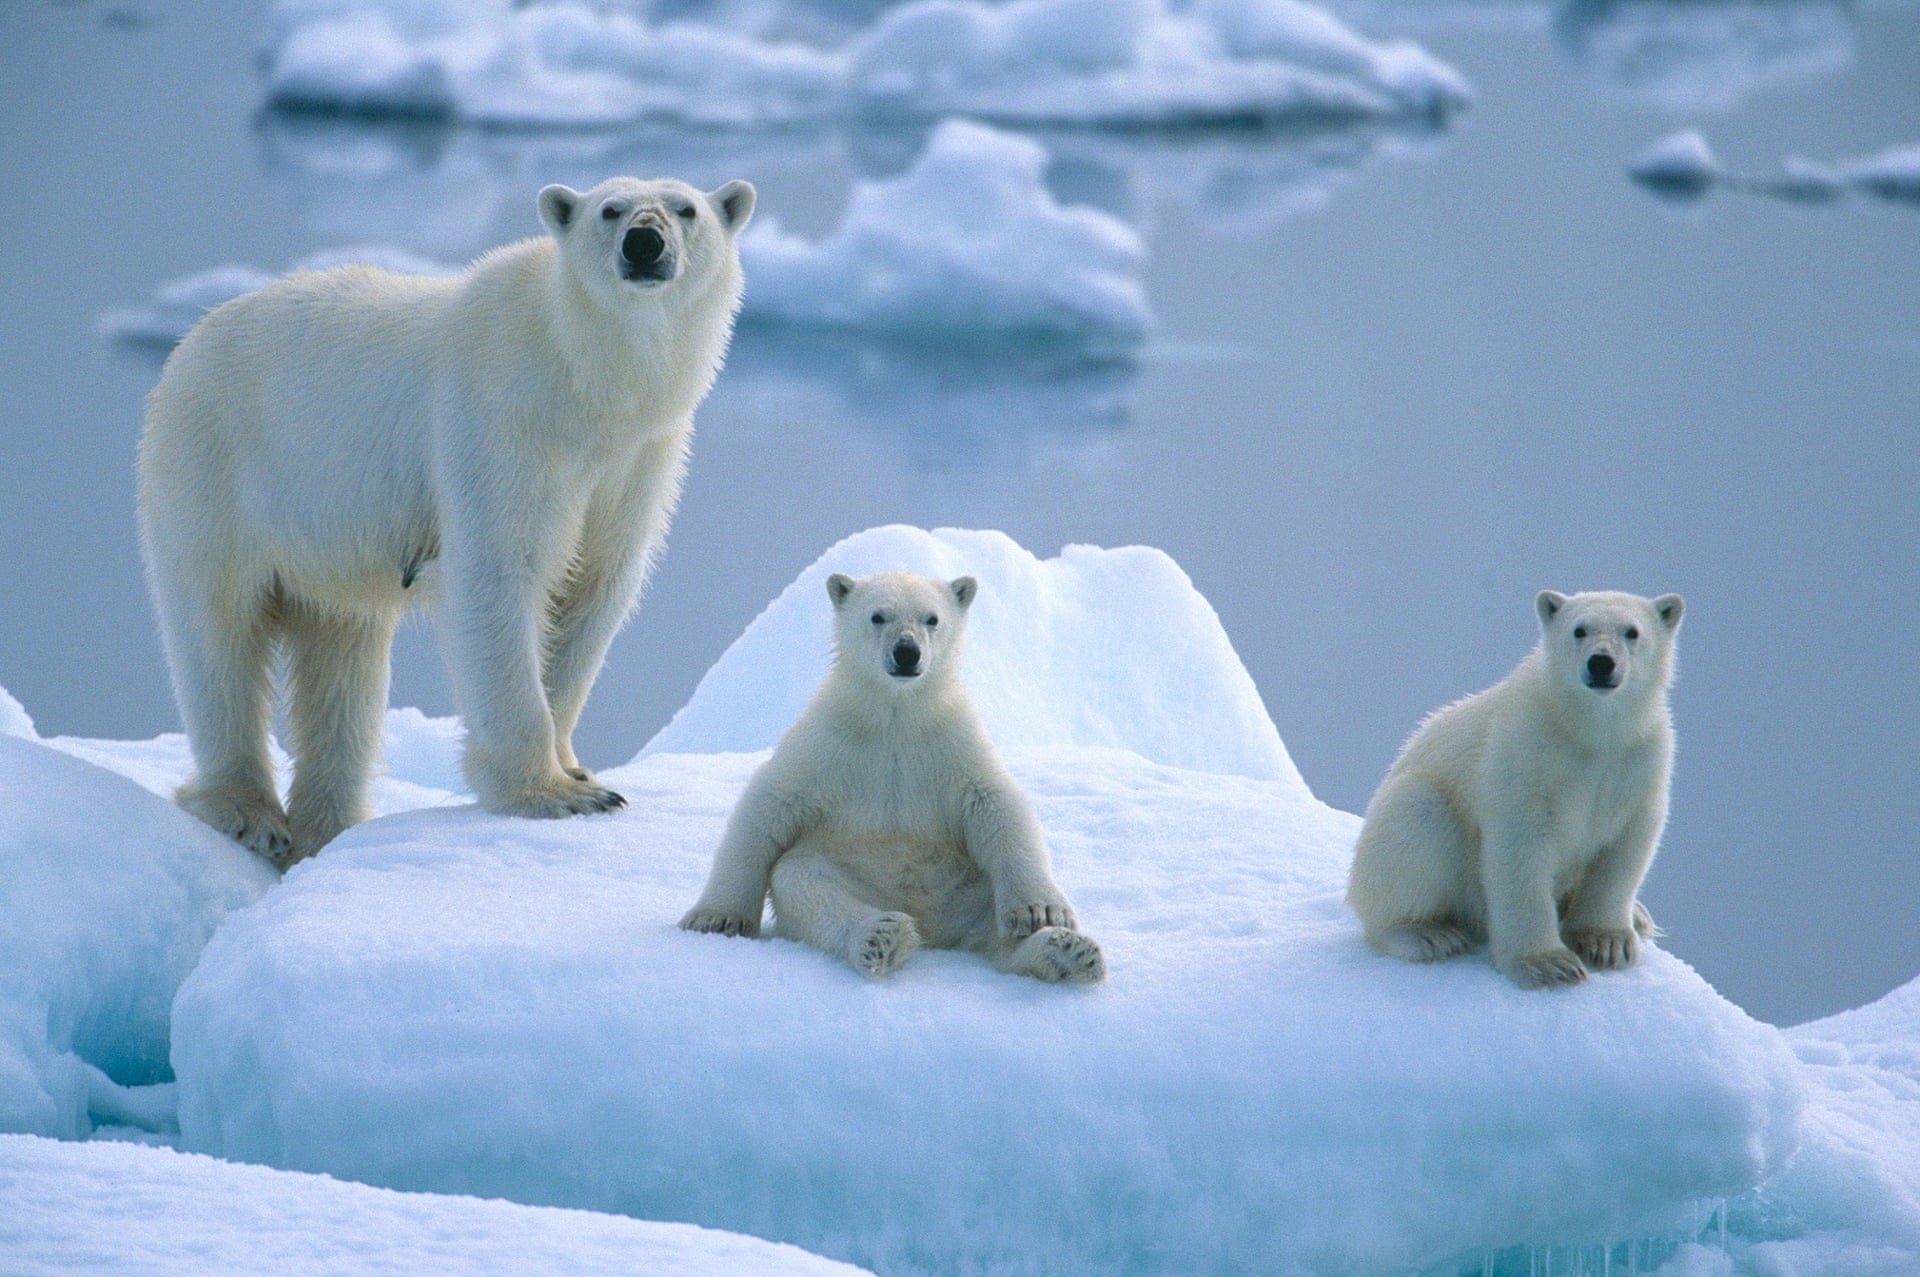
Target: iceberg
{"type": "Point", "coordinates": [1084, 62]}
{"type": "Point", "coordinates": [448, 1001]}
{"type": "Point", "coordinates": [109, 1207]}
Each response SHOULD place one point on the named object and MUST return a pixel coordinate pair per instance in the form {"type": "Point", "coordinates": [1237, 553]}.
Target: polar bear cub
{"type": "Point", "coordinates": [507, 445]}
{"type": "Point", "coordinates": [1525, 816]}
{"type": "Point", "coordinates": [884, 819]}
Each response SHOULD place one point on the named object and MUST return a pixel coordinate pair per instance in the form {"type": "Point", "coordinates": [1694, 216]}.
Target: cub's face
{"type": "Point", "coordinates": [626, 239]}
{"type": "Point", "coordinates": [1609, 645]}
{"type": "Point", "coordinates": [897, 629]}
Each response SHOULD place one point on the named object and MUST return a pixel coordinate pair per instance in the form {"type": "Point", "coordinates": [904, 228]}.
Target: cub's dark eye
{"type": "Point", "coordinates": [1633, 632]}
{"type": "Point", "coordinates": [878, 619]}
{"type": "Point", "coordinates": [1579, 631]}
{"type": "Point", "coordinates": [932, 621]}
{"type": "Point", "coordinates": [609, 213]}
{"type": "Point", "coordinates": [687, 211]}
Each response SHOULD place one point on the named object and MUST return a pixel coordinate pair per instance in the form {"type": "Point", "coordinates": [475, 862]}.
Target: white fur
{"type": "Point", "coordinates": [884, 819]}
{"type": "Point", "coordinates": [507, 445]}
{"type": "Point", "coordinates": [1526, 816]}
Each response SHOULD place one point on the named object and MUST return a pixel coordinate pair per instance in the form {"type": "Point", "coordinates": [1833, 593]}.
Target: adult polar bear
{"type": "Point", "coordinates": [507, 444]}
{"type": "Point", "coordinates": [1526, 815]}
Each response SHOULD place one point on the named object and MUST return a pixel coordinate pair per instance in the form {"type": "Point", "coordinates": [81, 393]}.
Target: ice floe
{"type": "Point", "coordinates": [1682, 166]}
{"type": "Point", "coordinates": [1106, 62]}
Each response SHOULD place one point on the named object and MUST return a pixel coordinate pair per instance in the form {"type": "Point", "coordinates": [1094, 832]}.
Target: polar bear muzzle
{"type": "Point", "coordinates": [643, 254]}
{"type": "Point", "coordinates": [903, 661]}
{"type": "Point", "coordinates": [1600, 672]}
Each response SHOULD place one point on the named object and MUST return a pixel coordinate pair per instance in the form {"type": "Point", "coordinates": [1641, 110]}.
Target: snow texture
{"type": "Point", "coordinates": [1106, 648]}
{"type": "Point", "coordinates": [969, 239]}
{"type": "Point", "coordinates": [449, 1001]}
{"type": "Point", "coordinates": [120, 1208]}
{"type": "Point", "coordinates": [1106, 62]}
{"type": "Point", "coordinates": [107, 894]}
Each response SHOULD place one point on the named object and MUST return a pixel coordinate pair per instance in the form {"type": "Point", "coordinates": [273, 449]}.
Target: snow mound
{"type": "Point", "coordinates": [1109, 62]}
{"type": "Point", "coordinates": [14, 719]}
{"type": "Point", "coordinates": [968, 239]}
{"type": "Point", "coordinates": [178, 305]}
{"type": "Point", "coordinates": [107, 894]}
{"type": "Point", "coordinates": [1105, 648]}
{"type": "Point", "coordinates": [120, 1208]}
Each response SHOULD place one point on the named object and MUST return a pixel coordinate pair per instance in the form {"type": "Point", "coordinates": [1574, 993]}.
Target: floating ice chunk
{"type": "Point", "coordinates": [179, 305]}
{"type": "Point", "coordinates": [1136, 62]}
{"type": "Point", "coordinates": [1893, 174]}
{"type": "Point", "coordinates": [107, 894]}
{"type": "Point", "coordinates": [1807, 182]}
{"type": "Point", "coordinates": [110, 1207]}
{"type": "Point", "coordinates": [968, 239]}
{"type": "Point", "coordinates": [1108, 648]}
{"type": "Point", "coordinates": [1679, 164]}
{"type": "Point", "coordinates": [453, 1001]}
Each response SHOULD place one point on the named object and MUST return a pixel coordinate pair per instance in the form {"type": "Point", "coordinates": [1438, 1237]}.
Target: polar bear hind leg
{"type": "Point", "coordinates": [1410, 882]}
{"type": "Point", "coordinates": [338, 663]}
{"type": "Point", "coordinates": [1058, 955]}
{"type": "Point", "coordinates": [814, 902]}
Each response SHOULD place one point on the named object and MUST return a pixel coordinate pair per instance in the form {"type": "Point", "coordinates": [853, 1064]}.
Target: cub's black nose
{"type": "Point", "coordinates": [906, 657]}
{"type": "Point", "coordinates": [643, 246]}
{"type": "Point", "coordinates": [1600, 670]}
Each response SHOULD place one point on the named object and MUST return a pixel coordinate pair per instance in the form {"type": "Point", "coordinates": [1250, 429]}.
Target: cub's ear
{"type": "Point", "coordinates": [839, 586]}
{"type": "Point", "coordinates": [1670, 606]}
{"type": "Point", "coordinates": [964, 588]}
{"type": "Point", "coordinates": [1548, 604]}
{"type": "Point", "coordinates": [558, 204]}
{"type": "Point", "coordinates": [734, 203]}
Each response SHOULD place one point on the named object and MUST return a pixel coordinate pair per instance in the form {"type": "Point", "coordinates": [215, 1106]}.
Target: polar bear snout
{"type": "Point", "coordinates": [1600, 672]}
{"type": "Point", "coordinates": [904, 660]}
{"type": "Point", "coordinates": [643, 254]}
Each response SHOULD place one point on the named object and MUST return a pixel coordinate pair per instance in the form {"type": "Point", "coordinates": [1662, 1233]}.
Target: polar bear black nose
{"type": "Point", "coordinates": [906, 656]}
{"type": "Point", "coordinates": [643, 246]}
{"type": "Point", "coordinates": [1600, 670]}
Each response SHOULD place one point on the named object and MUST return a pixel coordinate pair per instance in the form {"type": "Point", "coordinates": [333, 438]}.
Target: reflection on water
{"type": "Point", "coordinates": [1704, 55]}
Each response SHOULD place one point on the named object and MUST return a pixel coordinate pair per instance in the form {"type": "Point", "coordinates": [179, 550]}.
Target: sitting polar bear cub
{"type": "Point", "coordinates": [1526, 815]}
{"type": "Point", "coordinates": [507, 444]}
{"type": "Point", "coordinates": [884, 820]}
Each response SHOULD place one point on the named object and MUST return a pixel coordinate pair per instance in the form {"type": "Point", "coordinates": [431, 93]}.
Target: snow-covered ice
{"type": "Point", "coordinates": [107, 894]}
{"type": "Point", "coordinates": [131, 1211]}
{"type": "Point", "coordinates": [1682, 165]}
{"type": "Point", "coordinates": [1108, 62]}
{"type": "Point", "coordinates": [1893, 174]}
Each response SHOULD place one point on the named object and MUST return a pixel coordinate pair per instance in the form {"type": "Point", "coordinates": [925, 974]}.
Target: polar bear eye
{"type": "Point", "coordinates": [932, 621]}
{"type": "Point", "coordinates": [1633, 632]}
{"type": "Point", "coordinates": [1579, 631]}
{"type": "Point", "coordinates": [687, 211]}
{"type": "Point", "coordinates": [610, 212]}
{"type": "Point", "coordinates": [879, 618]}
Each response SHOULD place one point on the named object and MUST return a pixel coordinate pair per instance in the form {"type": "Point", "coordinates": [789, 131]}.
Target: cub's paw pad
{"type": "Point", "coordinates": [1605, 950]}
{"type": "Point", "coordinates": [1548, 969]}
{"type": "Point", "coordinates": [1061, 956]}
{"type": "Point", "coordinates": [719, 923]}
{"type": "Point", "coordinates": [1026, 919]}
{"type": "Point", "coordinates": [885, 945]}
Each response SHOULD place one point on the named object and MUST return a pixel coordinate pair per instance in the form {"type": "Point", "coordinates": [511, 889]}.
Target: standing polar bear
{"type": "Point", "coordinates": [507, 445]}
{"type": "Point", "coordinates": [884, 819]}
{"type": "Point", "coordinates": [1526, 815]}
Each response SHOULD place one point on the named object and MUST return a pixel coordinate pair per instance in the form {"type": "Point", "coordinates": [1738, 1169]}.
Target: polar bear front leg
{"type": "Point", "coordinates": [1523, 923]}
{"type": "Point", "coordinates": [497, 572]}
{"type": "Point", "coordinates": [1004, 838]}
{"type": "Point", "coordinates": [1603, 922]}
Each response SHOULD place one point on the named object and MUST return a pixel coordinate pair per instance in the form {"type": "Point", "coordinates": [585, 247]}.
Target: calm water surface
{"type": "Point", "coordinates": [1402, 382]}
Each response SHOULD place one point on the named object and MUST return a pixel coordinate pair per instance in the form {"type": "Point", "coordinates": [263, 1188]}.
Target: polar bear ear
{"type": "Point", "coordinates": [1548, 604]}
{"type": "Point", "coordinates": [734, 203]}
{"type": "Point", "coordinates": [557, 206]}
{"type": "Point", "coordinates": [1669, 606]}
{"type": "Point", "coordinates": [839, 586]}
{"type": "Point", "coordinates": [964, 588]}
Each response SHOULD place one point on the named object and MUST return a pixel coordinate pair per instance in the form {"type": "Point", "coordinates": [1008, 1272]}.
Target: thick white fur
{"type": "Point", "coordinates": [1525, 816]}
{"type": "Point", "coordinates": [507, 446]}
{"type": "Point", "coordinates": [884, 819]}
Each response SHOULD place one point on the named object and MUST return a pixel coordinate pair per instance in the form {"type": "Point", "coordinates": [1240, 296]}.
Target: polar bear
{"type": "Point", "coordinates": [506, 445]}
{"type": "Point", "coordinates": [884, 819]}
{"type": "Point", "coordinates": [1526, 815]}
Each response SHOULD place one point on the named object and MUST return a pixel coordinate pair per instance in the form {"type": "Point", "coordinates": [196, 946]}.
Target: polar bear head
{"type": "Point", "coordinates": [628, 239]}
{"type": "Point", "coordinates": [897, 629]}
{"type": "Point", "coordinates": [1608, 644]}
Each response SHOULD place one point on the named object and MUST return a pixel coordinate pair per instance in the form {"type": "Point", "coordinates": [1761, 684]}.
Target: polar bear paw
{"type": "Point", "coordinates": [719, 922]}
{"type": "Point", "coordinates": [1423, 941]}
{"type": "Point", "coordinates": [564, 796]}
{"type": "Point", "coordinates": [1060, 955]}
{"type": "Point", "coordinates": [1547, 969]}
{"type": "Point", "coordinates": [1026, 919]}
{"type": "Point", "coordinates": [257, 824]}
{"type": "Point", "coordinates": [1605, 950]}
{"type": "Point", "coordinates": [885, 945]}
